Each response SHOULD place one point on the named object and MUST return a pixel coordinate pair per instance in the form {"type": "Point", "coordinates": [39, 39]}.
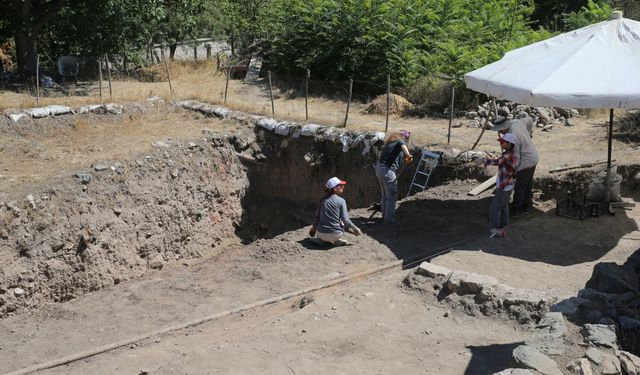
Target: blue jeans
{"type": "Point", "coordinates": [499, 210]}
{"type": "Point", "coordinates": [389, 192]}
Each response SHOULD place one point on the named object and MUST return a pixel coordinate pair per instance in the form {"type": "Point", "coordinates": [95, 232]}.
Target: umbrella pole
{"type": "Point", "coordinates": [607, 196]}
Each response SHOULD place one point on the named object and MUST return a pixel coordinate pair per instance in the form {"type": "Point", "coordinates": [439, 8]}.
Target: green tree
{"type": "Point", "coordinates": [631, 8]}
{"type": "Point", "coordinates": [369, 39]}
{"type": "Point", "coordinates": [241, 22]}
{"type": "Point", "coordinates": [179, 23]}
{"type": "Point", "coordinates": [25, 20]}
{"type": "Point", "coordinates": [591, 13]}
{"type": "Point", "coordinates": [95, 28]}
{"type": "Point", "coordinates": [549, 13]}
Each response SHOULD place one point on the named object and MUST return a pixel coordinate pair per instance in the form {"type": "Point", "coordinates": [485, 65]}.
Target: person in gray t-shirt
{"type": "Point", "coordinates": [332, 218]}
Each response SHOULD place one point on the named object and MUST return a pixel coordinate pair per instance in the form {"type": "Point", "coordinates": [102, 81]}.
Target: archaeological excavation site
{"type": "Point", "coordinates": [172, 237]}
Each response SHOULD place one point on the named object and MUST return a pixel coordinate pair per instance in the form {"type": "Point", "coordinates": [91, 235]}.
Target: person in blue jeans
{"type": "Point", "coordinates": [332, 219]}
{"type": "Point", "coordinates": [395, 154]}
{"type": "Point", "coordinates": [505, 181]}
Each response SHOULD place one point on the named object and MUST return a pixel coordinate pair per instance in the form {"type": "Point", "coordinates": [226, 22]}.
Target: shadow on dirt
{"type": "Point", "coordinates": [490, 359]}
{"type": "Point", "coordinates": [427, 227]}
{"type": "Point", "coordinates": [559, 240]}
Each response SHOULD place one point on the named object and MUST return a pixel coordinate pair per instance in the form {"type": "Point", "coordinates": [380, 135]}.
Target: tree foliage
{"type": "Point", "coordinates": [592, 12]}
{"type": "Point", "coordinates": [336, 39]}
{"type": "Point", "coordinates": [369, 39]}
{"type": "Point", "coordinates": [91, 28]}
{"type": "Point", "coordinates": [549, 13]}
{"type": "Point", "coordinates": [25, 20]}
{"type": "Point", "coordinates": [109, 26]}
{"type": "Point", "coordinates": [242, 22]}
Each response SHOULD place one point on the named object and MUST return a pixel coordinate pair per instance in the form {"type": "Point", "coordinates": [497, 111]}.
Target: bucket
{"type": "Point", "coordinates": [597, 189]}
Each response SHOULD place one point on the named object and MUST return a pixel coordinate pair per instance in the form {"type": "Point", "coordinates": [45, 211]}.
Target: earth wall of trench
{"type": "Point", "coordinates": [177, 202]}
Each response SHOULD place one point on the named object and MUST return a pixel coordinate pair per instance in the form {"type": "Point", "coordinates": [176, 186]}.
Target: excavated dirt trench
{"type": "Point", "coordinates": [176, 201]}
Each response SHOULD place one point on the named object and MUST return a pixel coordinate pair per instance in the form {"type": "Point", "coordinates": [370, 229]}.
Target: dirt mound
{"type": "Point", "coordinates": [399, 105]}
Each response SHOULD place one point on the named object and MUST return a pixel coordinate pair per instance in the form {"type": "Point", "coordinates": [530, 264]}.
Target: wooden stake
{"type": "Point", "coordinates": [453, 95]}
{"type": "Point", "coordinates": [106, 59]}
{"type": "Point", "coordinates": [273, 111]}
{"type": "Point", "coordinates": [166, 68]}
{"type": "Point", "coordinates": [484, 127]}
{"type": "Point", "coordinates": [386, 124]}
{"type": "Point", "coordinates": [195, 50]}
{"type": "Point", "coordinates": [584, 165]}
{"type": "Point", "coordinates": [226, 85]}
{"type": "Point", "coordinates": [306, 94]}
{"type": "Point", "coordinates": [346, 115]}
{"type": "Point", "coordinates": [100, 76]}
{"type": "Point", "coordinates": [38, 80]}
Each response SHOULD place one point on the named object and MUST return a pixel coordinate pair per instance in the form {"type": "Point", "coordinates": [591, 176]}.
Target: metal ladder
{"type": "Point", "coordinates": [426, 165]}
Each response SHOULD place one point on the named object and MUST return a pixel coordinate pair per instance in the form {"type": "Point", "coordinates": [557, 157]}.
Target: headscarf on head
{"type": "Point", "coordinates": [396, 136]}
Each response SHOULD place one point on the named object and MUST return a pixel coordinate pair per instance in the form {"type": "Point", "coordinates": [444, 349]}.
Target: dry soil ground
{"type": "Point", "coordinates": [369, 325]}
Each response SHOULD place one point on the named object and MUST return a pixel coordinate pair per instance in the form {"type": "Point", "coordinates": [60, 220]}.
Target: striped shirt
{"type": "Point", "coordinates": [506, 169]}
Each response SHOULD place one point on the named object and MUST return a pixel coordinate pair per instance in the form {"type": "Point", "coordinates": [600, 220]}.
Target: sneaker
{"type": "Point", "coordinates": [340, 243]}
{"type": "Point", "coordinates": [497, 233]}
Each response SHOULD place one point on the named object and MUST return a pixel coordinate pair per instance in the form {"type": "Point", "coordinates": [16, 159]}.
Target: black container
{"type": "Point", "coordinates": [577, 207]}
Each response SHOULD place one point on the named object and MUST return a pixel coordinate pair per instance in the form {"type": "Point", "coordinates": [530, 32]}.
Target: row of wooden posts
{"type": "Point", "coordinates": [346, 115]}
{"type": "Point", "coordinates": [273, 111]}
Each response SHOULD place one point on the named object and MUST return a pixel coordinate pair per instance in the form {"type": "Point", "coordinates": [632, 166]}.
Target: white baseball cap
{"type": "Point", "coordinates": [508, 137]}
{"type": "Point", "coordinates": [335, 181]}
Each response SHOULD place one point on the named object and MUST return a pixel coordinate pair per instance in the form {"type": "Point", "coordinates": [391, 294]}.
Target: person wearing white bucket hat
{"type": "Point", "coordinates": [499, 209]}
{"type": "Point", "coordinates": [527, 155]}
{"type": "Point", "coordinates": [332, 218]}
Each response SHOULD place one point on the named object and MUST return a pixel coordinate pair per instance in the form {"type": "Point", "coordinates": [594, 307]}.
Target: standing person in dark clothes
{"type": "Point", "coordinates": [332, 218]}
{"type": "Point", "coordinates": [527, 155]}
{"type": "Point", "coordinates": [499, 210]}
{"type": "Point", "coordinates": [395, 154]}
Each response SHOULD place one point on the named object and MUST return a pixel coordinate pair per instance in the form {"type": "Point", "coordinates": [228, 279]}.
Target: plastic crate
{"type": "Point", "coordinates": [577, 207]}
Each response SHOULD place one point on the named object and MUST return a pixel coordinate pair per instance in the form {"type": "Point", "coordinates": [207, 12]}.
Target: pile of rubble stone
{"type": "Point", "coordinates": [605, 315]}
{"type": "Point", "coordinates": [544, 118]}
{"type": "Point", "coordinates": [56, 110]}
{"type": "Point", "coordinates": [347, 139]}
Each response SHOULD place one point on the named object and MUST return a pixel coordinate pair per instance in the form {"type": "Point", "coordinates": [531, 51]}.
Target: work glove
{"type": "Point", "coordinates": [408, 159]}
{"type": "Point", "coordinates": [355, 231]}
{"type": "Point", "coordinates": [479, 161]}
{"type": "Point", "coordinates": [312, 232]}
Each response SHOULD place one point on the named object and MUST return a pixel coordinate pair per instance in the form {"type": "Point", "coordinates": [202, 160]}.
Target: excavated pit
{"type": "Point", "coordinates": [177, 200]}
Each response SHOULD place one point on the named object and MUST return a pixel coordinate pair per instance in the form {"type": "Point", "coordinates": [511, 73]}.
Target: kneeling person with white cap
{"type": "Point", "coordinates": [507, 162]}
{"type": "Point", "coordinates": [332, 218]}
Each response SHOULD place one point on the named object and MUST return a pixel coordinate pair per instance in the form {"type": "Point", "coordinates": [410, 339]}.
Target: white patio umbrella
{"type": "Point", "coordinates": [597, 66]}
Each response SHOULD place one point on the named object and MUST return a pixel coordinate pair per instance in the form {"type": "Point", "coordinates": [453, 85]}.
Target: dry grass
{"type": "Point", "coordinates": [191, 80]}
{"type": "Point", "coordinates": [198, 81]}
